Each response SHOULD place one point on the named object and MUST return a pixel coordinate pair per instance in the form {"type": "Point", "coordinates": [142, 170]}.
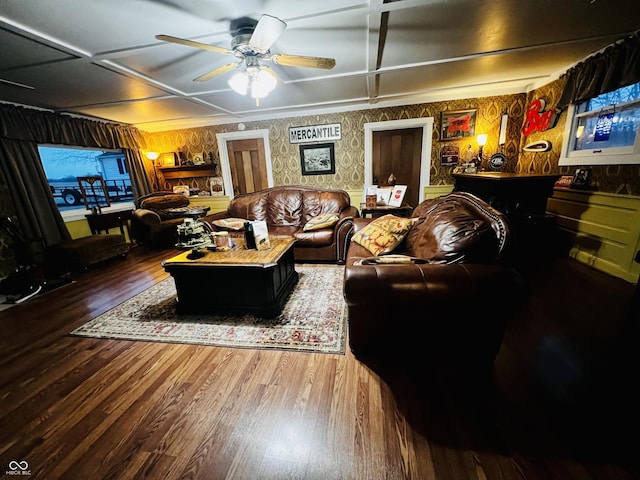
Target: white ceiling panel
{"type": "Point", "coordinates": [151, 111]}
{"type": "Point", "coordinates": [62, 85]}
{"type": "Point", "coordinates": [101, 57]}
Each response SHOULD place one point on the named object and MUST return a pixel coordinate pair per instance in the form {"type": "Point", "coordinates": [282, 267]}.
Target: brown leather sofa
{"type": "Point", "coordinates": [452, 301]}
{"type": "Point", "coordinates": [151, 224]}
{"type": "Point", "coordinates": [287, 209]}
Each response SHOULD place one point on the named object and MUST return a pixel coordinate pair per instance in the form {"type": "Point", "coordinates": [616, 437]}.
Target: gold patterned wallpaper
{"type": "Point", "coordinates": [349, 150]}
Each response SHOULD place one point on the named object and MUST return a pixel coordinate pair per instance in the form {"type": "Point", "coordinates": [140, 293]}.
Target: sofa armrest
{"type": "Point", "coordinates": [350, 211]}
{"type": "Point", "coordinates": [342, 233]}
{"type": "Point", "coordinates": [360, 222]}
{"type": "Point", "coordinates": [147, 217]}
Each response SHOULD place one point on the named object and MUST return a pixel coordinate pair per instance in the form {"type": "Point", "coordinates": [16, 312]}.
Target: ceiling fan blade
{"type": "Point", "coordinates": [216, 71]}
{"type": "Point", "coordinates": [266, 32]}
{"type": "Point", "coordinates": [300, 61]}
{"type": "Point", "coordinates": [191, 43]}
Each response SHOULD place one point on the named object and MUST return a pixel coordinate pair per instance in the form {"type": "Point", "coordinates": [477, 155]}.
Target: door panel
{"type": "Point", "coordinates": [248, 165]}
{"type": "Point", "coordinates": [398, 152]}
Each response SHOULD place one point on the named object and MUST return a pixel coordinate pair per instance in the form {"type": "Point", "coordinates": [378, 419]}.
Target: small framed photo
{"type": "Point", "coordinates": [216, 186]}
{"type": "Point", "coordinates": [581, 178]}
{"type": "Point", "coordinates": [198, 159]}
{"type": "Point", "coordinates": [457, 124]}
{"type": "Point", "coordinates": [384, 195]}
{"type": "Point", "coordinates": [317, 159]}
{"type": "Point", "coordinates": [397, 195]}
{"type": "Point", "coordinates": [182, 190]}
{"type": "Point", "coordinates": [168, 159]}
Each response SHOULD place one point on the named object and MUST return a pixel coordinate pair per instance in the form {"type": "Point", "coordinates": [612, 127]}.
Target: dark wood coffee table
{"type": "Point", "coordinates": [240, 280]}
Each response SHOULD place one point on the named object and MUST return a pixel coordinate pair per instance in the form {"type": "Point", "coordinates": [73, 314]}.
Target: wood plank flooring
{"type": "Point", "coordinates": [80, 408]}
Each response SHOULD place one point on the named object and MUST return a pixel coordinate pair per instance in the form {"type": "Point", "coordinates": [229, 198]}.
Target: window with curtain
{"type": "Point", "coordinates": [63, 165]}
{"type": "Point", "coordinates": [603, 130]}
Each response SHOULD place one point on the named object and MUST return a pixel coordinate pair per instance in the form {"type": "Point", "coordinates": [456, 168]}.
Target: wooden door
{"type": "Point", "coordinates": [398, 152]}
{"type": "Point", "coordinates": [248, 165]}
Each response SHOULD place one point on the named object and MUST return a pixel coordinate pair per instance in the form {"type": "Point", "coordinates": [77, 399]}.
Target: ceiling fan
{"type": "Point", "coordinates": [250, 43]}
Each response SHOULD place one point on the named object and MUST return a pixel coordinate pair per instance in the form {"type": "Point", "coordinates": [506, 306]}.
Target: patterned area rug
{"type": "Point", "coordinates": [313, 319]}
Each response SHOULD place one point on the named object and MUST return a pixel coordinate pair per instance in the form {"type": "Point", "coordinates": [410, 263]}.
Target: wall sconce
{"type": "Point", "coordinates": [482, 140]}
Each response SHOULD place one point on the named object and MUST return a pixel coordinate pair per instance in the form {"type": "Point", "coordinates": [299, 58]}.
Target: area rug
{"type": "Point", "coordinates": [313, 319]}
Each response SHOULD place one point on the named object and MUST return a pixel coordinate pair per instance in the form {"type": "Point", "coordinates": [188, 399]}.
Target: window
{"type": "Point", "coordinates": [604, 129]}
{"type": "Point", "coordinates": [63, 166]}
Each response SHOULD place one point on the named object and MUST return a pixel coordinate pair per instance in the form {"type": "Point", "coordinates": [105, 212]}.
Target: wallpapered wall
{"type": "Point", "coordinates": [349, 151]}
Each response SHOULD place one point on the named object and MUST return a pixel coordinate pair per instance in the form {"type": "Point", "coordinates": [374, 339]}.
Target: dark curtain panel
{"type": "Point", "coordinates": [617, 66]}
{"type": "Point", "coordinates": [139, 172]}
{"type": "Point", "coordinates": [20, 123]}
{"type": "Point", "coordinates": [22, 129]}
{"type": "Point", "coordinates": [33, 204]}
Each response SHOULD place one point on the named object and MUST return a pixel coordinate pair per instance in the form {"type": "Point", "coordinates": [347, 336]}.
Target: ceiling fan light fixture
{"type": "Point", "coordinates": [257, 80]}
{"type": "Point", "coordinates": [240, 82]}
{"type": "Point", "coordinates": [262, 83]}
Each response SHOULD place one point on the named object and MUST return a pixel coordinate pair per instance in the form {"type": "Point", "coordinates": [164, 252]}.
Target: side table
{"type": "Point", "coordinates": [99, 222]}
{"type": "Point", "coordinates": [380, 210]}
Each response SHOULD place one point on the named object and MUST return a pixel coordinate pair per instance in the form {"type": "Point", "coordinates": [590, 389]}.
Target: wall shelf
{"type": "Point", "coordinates": [188, 171]}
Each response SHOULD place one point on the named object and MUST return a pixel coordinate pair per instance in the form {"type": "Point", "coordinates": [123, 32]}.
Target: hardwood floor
{"type": "Point", "coordinates": [103, 409]}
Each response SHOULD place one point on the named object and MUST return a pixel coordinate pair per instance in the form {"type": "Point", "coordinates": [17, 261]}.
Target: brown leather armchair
{"type": "Point", "coordinates": [453, 299]}
{"type": "Point", "coordinates": [151, 223]}
{"type": "Point", "coordinates": [287, 209]}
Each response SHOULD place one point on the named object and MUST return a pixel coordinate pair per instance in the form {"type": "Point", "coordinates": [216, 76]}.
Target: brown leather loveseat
{"type": "Point", "coordinates": [451, 298]}
{"type": "Point", "coordinates": [152, 224]}
{"type": "Point", "coordinates": [287, 210]}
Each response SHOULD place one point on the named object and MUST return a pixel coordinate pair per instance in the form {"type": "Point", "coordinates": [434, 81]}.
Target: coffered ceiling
{"type": "Point", "coordinates": [100, 58]}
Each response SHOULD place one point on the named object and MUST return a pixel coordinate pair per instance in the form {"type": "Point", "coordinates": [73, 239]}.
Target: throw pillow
{"type": "Point", "coordinates": [325, 220]}
{"type": "Point", "coordinates": [383, 234]}
{"type": "Point", "coordinates": [230, 223]}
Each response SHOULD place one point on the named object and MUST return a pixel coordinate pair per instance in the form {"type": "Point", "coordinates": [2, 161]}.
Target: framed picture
{"type": "Point", "coordinates": [216, 186]}
{"type": "Point", "coordinates": [317, 159]}
{"type": "Point", "coordinates": [384, 195]}
{"type": "Point", "coordinates": [167, 159]}
{"type": "Point", "coordinates": [182, 190]}
{"type": "Point", "coordinates": [397, 195]}
{"type": "Point", "coordinates": [581, 178]}
{"type": "Point", "coordinates": [198, 159]}
{"type": "Point", "coordinates": [449, 155]}
{"type": "Point", "coordinates": [457, 124]}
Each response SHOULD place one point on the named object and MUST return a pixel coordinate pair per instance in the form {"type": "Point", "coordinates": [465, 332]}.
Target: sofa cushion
{"type": "Point", "coordinates": [451, 232]}
{"type": "Point", "coordinates": [285, 208]}
{"type": "Point", "coordinates": [383, 234]}
{"type": "Point", "coordinates": [163, 202]}
{"type": "Point", "coordinates": [252, 207]}
{"type": "Point", "coordinates": [318, 202]}
{"type": "Point", "coordinates": [324, 220]}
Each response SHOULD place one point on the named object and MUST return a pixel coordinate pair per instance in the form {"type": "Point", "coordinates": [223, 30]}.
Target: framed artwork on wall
{"type": "Point", "coordinates": [457, 124]}
{"type": "Point", "coordinates": [167, 159]}
{"type": "Point", "coordinates": [317, 159]}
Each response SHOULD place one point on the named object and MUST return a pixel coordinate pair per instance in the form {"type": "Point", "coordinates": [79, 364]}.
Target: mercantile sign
{"type": "Point", "coordinates": [315, 133]}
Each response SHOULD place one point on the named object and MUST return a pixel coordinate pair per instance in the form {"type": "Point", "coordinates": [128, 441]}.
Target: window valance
{"type": "Point", "coordinates": [615, 67]}
{"type": "Point", "coordinates": [41, 127]}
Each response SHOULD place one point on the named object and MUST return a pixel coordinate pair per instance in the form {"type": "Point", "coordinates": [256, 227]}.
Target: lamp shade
{"type": "Point", "coordinates": [482, 139]}
{"type": "Point", "coordinates": [240, 82]}
{"type": "Point", "coordinates": [262, 83]}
